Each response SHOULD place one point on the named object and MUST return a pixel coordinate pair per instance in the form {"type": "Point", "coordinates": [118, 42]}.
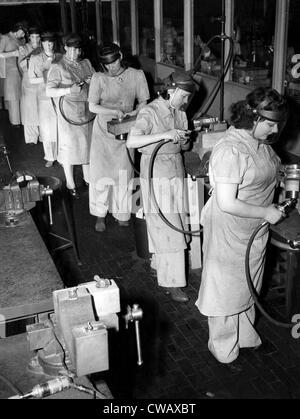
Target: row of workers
{"type": "Point", "coordinates": [243, 171]}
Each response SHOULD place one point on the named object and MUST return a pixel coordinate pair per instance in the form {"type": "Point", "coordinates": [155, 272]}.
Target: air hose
{"type": "Point", "coordinates": [205, 107]}
{"type": "Point", "coordinates": [153, 197]}
{"type": "Point", "coordinates": [132, 162]}
{"type": "Point", "coordinates": [251, 287]}
{"type": "Point", "coordinates": [61, 108]}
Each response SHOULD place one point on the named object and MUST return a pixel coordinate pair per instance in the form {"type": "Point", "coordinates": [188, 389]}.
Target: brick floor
{"type": "Point", "coordinates": [177, 363]}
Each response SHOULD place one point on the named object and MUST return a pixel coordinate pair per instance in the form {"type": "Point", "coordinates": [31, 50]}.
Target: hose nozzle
{"type": "Point", "coordinates": [287, 205]}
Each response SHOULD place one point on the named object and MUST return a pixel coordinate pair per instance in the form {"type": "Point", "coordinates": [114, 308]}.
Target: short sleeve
{"type": "Point", "coordinates": [143, 124]}
{"type": "Point", "coordinates": [95, 90]}
{"type": "Point", "coordinates": [228, 165]}
{"type": "Point", "coordinates": [54, 76]}
{"type": "Point", "coordinates": [142, 91]}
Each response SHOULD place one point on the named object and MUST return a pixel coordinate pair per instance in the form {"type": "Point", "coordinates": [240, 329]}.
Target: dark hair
{"type": "Point", "coordinates": [34, 30]}
{"type": "Point", "coordinates": [245, 112]}
{"type": "Point", "coordinates": [178, 78]}
{"type": "Point", "coordinates": [109, 53]}
{"type": "Point", "coordinates": [18, 26]}
{"type": "Point", "coordinates": [73, 40]}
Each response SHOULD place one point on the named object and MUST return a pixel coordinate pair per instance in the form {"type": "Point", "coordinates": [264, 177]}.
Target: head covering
{"type": "Point", "coordinates": [73, 40]}
{"type": "Point", "coordinates": [47, 36]}
{"type": "Point", "coordinates": [34, 30]}
{"type": "Point", "coordinates": [178, 78]}
{"type": "Point", "coordinates": [18, 26]}
{"type": "Point", "coordinates": [182, 80]}
{"type": "Point", "coordinates": [109, 53]}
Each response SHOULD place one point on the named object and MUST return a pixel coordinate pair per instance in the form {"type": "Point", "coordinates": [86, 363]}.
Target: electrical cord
{"type": "Point", "coordinates": [153, 197]}
{"type": "Point", "coordinates": [97, 394]}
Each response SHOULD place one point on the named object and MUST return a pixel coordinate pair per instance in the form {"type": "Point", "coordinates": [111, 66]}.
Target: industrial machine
{"type": "Point", "coordinates": [19, 196]}
{"type": "Point", "coordinates": [73, 341]}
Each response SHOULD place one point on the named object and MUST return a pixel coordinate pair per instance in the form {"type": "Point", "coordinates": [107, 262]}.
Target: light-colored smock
{"type": "Point", "coordinates": [238, 159]}
{"type": "Point", "coordinates": [73, 140]}
{"type": "Point", "coordinates": [12, 81]}
{"type": "Point", "coordinates": [29, 98]}
{"type": "Point", "coordinates": [38, 67]}
{"type": "Point", "coordinates": [12, 85]}
{"type": "Point", "coordinates": [108, 155]}
{"type": "Point", "coordinates": [168, 181]}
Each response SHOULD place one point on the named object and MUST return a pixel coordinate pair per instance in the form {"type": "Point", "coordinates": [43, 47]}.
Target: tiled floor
{"type": "Point", "coordinates": [177, 364]}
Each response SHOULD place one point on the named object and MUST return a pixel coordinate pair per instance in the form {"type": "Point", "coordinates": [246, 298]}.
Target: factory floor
{"type": "Point", "coordinates": [177, 363]}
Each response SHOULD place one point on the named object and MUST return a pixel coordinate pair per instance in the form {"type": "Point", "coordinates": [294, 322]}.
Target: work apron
{"type": "Point", "coordinates": [224, 290]}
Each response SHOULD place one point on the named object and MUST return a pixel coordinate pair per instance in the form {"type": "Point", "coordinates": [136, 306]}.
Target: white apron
{"type": "Point", "coordinates": [12, 84]}
{"type": "Point", "coordinates": [73, 140]}
{"type": "Point", "coordinates": [237, 158]}
{"type": "Point", "coordinates": [29, 98]}
{"type": "Point", "coordinates": [108, 156]}
{"type": "Point", "coordinates": [38, 67]}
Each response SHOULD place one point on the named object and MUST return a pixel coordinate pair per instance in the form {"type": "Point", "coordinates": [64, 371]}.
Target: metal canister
{"type": "Point", "coordinates": [292, 180]}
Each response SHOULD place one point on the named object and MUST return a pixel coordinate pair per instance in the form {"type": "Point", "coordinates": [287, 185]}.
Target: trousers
{"type": "Point", "coordinates": [227, 334]}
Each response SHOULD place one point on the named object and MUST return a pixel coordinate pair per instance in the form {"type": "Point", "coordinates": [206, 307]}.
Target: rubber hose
{"type": "Point", "coordinates": [132, 162]}
{"type": "Point", "coordinates": [153, 197]}
{"type": "Point", "coordinates": [216, 87]}
{"type": "Point", "coordinates": [250, 283]}
{"type": "Point", "coordinates": [61, 102]}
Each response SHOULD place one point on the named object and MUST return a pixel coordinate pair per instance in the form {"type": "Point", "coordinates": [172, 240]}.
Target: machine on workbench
{"type": "Point", "coordinates": [73, 342]}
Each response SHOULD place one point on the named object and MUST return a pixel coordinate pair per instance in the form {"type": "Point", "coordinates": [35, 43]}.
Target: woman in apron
{"type": "Point", "coordinates": [70, 78]}
{"type": "Point", "coordinates": [242, 171]}
{"type": "Point", "coordinates": [9, 50]}
{"type": "Point", "coordinates": [112, 95]}
{"type": "Point", "coordinates": [163, 119]}
{"type": "Point", "coordinates": [37, 72]}
{"type": "Point", "coordinates": [29, 99]}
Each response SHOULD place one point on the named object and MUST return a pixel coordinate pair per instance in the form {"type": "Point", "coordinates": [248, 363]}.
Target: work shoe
{"type": "Point", "coordinates": [100, 224]}
{"type": "Point", "coordinates": [177, 294]}
{"type": "Point", "coordinates": [123, 223]}
{"type": "Point", "coordinates": [49, 164]}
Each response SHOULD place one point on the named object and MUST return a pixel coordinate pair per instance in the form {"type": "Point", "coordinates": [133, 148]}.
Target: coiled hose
{"type": "Point", "coordinates": [153, 197]}
{"type": "Point", "coordinates": [250, 283]}
{"type": "Point", "coordinates": [61, 108]}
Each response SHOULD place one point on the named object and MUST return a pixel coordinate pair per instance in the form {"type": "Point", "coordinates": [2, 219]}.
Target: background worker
{"type": "Point", "coordinates": [242, 172]}
{"type": "Point", "coordinates": [160, 120]}
{"type": "Point", "coordinates": [29, 98]}
{"type": "Point", "coordinates": [112, 95]}
{"type": "Point", "coordinates": [70, 78]}
{"type": "Point", "coordinates": [9, 50]}
{"type": "Point", "coordinates": [38, 69]}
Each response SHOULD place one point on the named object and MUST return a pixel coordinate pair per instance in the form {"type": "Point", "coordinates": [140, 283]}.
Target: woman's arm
{"type": "Point", "coordinates": [9, 54]}
{"type": "Point", "coordinates": [99, 109]}
{"type": "Point", "coordinates": [137, 140]}
{"type": "Point", "coordinates": [228, 202]}
{"type": "Point", "coordinates": [53, 91]}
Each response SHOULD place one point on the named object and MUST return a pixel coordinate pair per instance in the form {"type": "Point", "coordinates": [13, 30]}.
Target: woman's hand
{"type": "Point", "coordinates": [273, 215]}
{"type": "Point", "coordinates": [119, 114]}
{"type": "Point", "coordinates": [132, 113]}
{"type": "Point", "coordinates": [75, 88]}
{"type": "Point", "coordinates": [175, 135]}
